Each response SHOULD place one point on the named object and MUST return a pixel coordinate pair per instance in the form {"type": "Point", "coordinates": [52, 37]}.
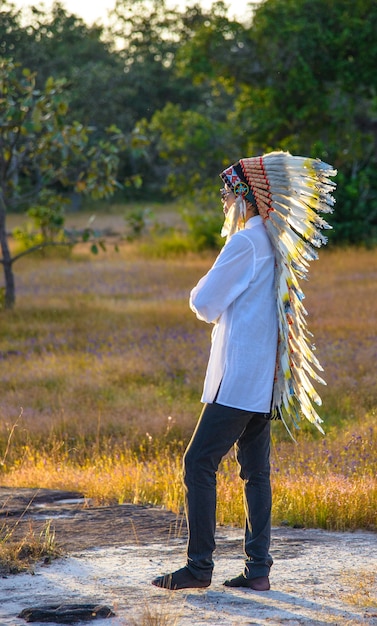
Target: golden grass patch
{"type": "Point", "coordinates": [106, 362]}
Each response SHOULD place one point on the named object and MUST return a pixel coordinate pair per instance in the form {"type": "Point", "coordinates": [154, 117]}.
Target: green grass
{"type": "Point", "coordinates": [105, 362]}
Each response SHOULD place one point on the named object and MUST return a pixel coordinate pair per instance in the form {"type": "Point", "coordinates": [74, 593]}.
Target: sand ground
{"type": "Point", "coordinates": [112, 554]}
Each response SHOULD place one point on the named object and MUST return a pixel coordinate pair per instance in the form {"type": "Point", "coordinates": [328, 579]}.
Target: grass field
{"type": "Point", "coordinates": [102, 368]}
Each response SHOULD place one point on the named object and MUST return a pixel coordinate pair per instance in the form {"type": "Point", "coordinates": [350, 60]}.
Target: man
{"type": "Point", "coordinates": [239, 295]}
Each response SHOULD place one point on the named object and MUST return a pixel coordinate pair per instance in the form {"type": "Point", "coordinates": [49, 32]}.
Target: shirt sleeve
{"type": "Point", "coordinates": [229, 276]}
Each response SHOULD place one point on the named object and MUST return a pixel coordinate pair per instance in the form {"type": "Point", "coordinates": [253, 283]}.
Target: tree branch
{"type": "Point", "coordinates": [39, 246]}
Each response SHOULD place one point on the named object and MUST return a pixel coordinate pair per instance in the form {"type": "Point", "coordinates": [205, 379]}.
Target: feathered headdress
{"type": "Point", "coordinates": [289, 192]}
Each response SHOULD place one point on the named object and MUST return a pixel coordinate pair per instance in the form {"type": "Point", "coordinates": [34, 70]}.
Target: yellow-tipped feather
{"type": "Point", "coordinates": [290, 192]}
{"type": "Point", "coordinates": [299, 188]}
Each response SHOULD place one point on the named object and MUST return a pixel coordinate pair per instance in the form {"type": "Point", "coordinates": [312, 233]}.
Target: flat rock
{"type": "Point", "coordinates": [70, 512]}
{"type": "Point", "coordinates": [66, 613]}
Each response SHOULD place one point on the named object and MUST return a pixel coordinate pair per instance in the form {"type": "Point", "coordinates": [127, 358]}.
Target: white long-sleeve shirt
{"type": "Point", "coordinates": [238, 296]}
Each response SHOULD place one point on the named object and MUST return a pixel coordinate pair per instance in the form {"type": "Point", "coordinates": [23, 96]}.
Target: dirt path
{"type": "Point", "coordinates": [318, 577]}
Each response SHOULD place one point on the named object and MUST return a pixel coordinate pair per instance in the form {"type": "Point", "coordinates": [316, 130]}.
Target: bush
{"type": "Point", "coordinates": [26, 238]}
{"type": "Point", "coordinates": [137, 221]}
{"type": "Point", "coordinates": [165, 245]}
{"type": "Point", "coordinates": [203, 229]}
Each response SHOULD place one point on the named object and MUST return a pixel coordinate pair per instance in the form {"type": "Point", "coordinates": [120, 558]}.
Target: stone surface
{"type": "Point", "coordinates": [70, 512]}
{"type": "Point", "coordinates": [66, 613]}
{"type": "Point", "coordinates": [112, 554]}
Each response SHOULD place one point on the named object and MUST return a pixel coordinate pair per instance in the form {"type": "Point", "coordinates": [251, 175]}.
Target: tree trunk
{"type": "Point", "coordinates": [10, 292]}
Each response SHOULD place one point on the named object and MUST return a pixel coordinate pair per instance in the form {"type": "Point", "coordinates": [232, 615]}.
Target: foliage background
{"type": "Point", "coordinates": [200, 90]}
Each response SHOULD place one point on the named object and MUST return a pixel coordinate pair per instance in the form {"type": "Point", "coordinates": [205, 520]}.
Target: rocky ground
{"type": "Point", "coordinates": [112, 553]}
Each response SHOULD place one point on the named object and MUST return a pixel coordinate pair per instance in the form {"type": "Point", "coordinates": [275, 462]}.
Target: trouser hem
{"type": "Point", "coordinates": [256, 572]}
{"type": "Point", "coordinates": [199, 575]}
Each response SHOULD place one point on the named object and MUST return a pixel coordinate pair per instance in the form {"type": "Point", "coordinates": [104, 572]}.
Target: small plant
{"type": "Point", "coordinates": [154, 617]}
{"type": "Point", "coordinates": [46, 226]}
{"type": "Point", "coordinates": [136, 220]}
{"type": "Point", "coordinates": [19, 555]}
{"type": "Point", "coordinates": [48, 215]}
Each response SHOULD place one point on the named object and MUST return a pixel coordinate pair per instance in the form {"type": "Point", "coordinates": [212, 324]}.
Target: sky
{"type": "Point", "coordinates": [96, 10]}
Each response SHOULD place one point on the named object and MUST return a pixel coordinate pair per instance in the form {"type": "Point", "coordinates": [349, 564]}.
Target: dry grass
{"type": "Point", "coordinates": [107, 363]}
{"type": "Point", "coordinates": [19, 555]}
{"type": "Point", "coordinates": [362, 588]}
{"type": "Point", "coordinates": [155, 616]}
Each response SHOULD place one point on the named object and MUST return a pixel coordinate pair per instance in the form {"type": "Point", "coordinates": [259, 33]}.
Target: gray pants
{"type": "Point", "coordinates": [218, 429]}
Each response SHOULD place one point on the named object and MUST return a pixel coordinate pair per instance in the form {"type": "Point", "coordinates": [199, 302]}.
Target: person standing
{"type": "Point", "coordinates": [247, 381]}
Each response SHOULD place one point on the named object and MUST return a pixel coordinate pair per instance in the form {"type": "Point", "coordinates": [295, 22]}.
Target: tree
{"type": "Point", "coordinates": [193, 146]}
{"type": "Point", "coordinates": [300, 77]}
{"type": "Point", "coordinates": [310, 87]}
{"type": "Point", "coordinates": [122, 73]}
{"type": "Point", "coordinates": [41, 155]}
{"type": "Point", "coordinates": [213, 46]}
{"type": "Point", "coordinates": [149, 36]}
{"type": "Point", "coordinates": [61, 45]}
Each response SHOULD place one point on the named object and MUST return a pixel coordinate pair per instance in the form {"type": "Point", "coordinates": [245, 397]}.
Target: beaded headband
{"type": "Point", "coordinates": [236, 181]}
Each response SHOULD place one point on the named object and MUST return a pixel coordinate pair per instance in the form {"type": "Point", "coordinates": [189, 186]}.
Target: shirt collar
{"type": "Point", "coordinates": [254, 221]}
